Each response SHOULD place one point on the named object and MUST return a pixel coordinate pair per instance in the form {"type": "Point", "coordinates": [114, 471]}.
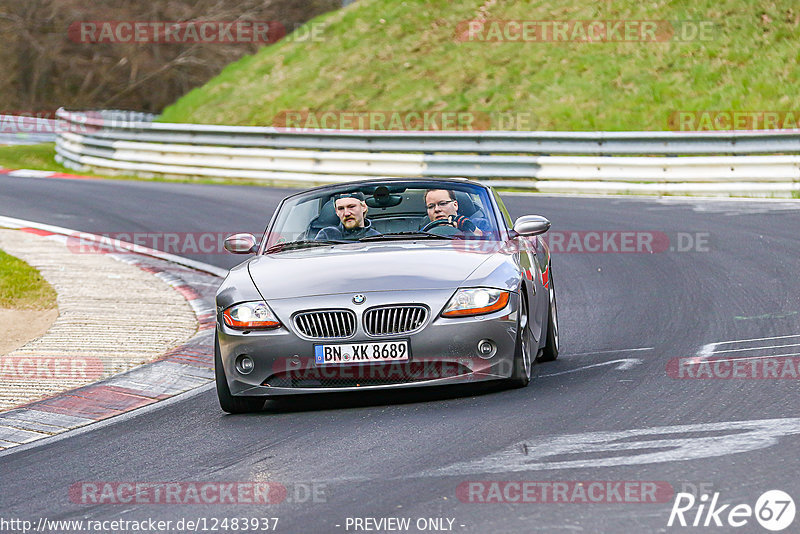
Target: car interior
{"type": "Point", "coordinates": [393, 210]}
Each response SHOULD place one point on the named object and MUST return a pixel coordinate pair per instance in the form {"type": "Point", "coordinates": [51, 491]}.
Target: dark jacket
{"type": "Point", "coordinates": [340, 232]}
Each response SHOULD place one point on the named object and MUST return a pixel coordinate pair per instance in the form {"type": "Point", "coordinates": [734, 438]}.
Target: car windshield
{"type": "Point", "coordinates": [383, 211]}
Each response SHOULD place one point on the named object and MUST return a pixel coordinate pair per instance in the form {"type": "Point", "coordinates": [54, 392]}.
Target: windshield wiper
{"type": "Point", "coordinates": [406, 235]}
{"type": "Point", "coordinates": [304, 243]}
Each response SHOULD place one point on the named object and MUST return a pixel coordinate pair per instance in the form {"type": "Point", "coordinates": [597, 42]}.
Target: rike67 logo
{"type": "Point", "coordinates": [774, 510]}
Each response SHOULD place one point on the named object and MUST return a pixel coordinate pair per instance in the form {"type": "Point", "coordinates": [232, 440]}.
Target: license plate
{"type": "Point", "coordinates": [385, 351]}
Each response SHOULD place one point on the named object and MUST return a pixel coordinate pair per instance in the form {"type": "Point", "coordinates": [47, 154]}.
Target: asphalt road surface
{"type": "Point", "coordinates": [615, 420]}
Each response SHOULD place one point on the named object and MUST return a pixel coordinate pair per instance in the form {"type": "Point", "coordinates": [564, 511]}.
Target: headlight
{"type": "Point", "coordinates": [250, 316]}
{"type": "Point", "coordinates": [476, 301]}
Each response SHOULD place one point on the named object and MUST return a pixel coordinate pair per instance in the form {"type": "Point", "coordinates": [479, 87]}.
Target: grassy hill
{"type": "Point", "coordinates": [405, 55]}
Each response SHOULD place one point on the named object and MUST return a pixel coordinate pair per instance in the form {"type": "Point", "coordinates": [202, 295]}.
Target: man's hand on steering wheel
{"type": "Point", "coordinates": [462, 223]}
{"type": "Point", "coordinates": [456, 221]}
{"type": "Point", "coordinates": [435, 223]}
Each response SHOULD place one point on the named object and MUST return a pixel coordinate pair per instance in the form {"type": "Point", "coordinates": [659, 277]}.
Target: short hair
{"type": "Point", "coordinates": [449, 192]}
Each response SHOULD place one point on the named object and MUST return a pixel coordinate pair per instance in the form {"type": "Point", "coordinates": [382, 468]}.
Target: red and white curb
{"type": "Point", "coordinates": [33, 173]}
{"type": "Point", "coordinates": [60, 233]}
{"type": "Point", "coordinates": [181, 369]}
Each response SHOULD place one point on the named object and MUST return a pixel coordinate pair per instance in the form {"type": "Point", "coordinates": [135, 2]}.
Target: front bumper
{"type": "Point", "coordinates": [444, 351]}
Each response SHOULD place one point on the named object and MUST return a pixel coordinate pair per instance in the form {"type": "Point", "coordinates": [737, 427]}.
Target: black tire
{"type": "Point", "coordinates": [523, 363]}
{"type": "Point", "coordinates": [228, 402]}
{"type": "Point", "coordinates": [550, 350]}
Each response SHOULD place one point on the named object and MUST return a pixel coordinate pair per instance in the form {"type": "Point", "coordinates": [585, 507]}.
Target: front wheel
{"type": "Point", "coordinates": [228, 402]}
{"type": "Point", "coordinates": [521, 373]}
{"type": "Point", "coordinates": [550, 350]}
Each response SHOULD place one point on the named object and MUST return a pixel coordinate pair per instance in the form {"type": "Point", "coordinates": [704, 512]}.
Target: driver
{"type": "Point", "coordinates": [351, 210]}
{"type": "Point", "coordinates": [442, 204]}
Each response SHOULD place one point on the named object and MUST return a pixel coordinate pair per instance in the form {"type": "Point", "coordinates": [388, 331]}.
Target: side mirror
{"type": "Point", "coordinates": [241, 244]}
{"type": "Point", "coordinates": [529, 225]}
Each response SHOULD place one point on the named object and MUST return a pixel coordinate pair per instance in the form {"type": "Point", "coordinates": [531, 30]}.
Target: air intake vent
{"type": "Point", "coordinates": [326, 324]}
{"type": "Point", "coordinates": [390, 320]}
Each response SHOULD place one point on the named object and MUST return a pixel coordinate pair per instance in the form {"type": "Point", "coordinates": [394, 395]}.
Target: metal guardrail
{"type": "Point", "coordinates": [117, 142]}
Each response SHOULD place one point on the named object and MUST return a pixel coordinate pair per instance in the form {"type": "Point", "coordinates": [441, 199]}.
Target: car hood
{"type": "Point", "coordinates": [364, 267]}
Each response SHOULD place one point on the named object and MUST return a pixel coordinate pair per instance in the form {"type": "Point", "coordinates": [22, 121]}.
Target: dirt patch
{"type": "Point", "coordinates": [17, 327]}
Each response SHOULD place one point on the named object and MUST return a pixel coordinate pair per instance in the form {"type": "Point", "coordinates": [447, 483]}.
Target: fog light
{"type": "Point", "coordinates": [486, 348]}
{"type": "Point", "coordinates": [245, 364]}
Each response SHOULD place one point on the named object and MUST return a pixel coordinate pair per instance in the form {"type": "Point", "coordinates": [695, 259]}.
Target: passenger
{"type": "Point", "coordinates": [442, 204]}
{"type": "Point", "coordinates": [351, 210]}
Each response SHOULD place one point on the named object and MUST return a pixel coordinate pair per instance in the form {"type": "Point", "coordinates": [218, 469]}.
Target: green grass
{"type": "Point", "coordinates": [39, 157]}
{"type": "Point", "coordinates": [22, 287]}
{"type": "Point", "coordinates": [402, 55]}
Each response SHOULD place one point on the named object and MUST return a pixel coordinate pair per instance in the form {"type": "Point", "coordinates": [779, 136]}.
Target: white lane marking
{"type": "Point", "coordinates": [696, 201]}
{"type": "Point", "coordinates": [624, 365]}
{"type": "Point", "coordinates": [754, 339]}
{"type": "Point", "coordinates": [710, 349]}
{"type": "Point", "coordinates": [608, 351]}
{"type": "Point", "coordinates": [707, 350]}
{"type": "Point", "coordinates": [729, 438]}
{"type": "Point", "coordinates": [744, 358]}
{"type": "Point", "coordinates": [758, 348]}
{"type": "Point", "coordinates": [702, 354]}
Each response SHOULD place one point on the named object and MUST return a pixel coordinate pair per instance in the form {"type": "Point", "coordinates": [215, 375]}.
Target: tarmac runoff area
{"type": "Point", "coordinates": [131, 330]}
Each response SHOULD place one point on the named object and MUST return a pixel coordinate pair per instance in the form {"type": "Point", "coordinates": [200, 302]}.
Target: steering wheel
{"type": "Point", "coordinates": [434, 224]}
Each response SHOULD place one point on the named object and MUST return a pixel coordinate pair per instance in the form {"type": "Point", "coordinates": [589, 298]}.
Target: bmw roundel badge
{"type": "Point", "coordinates": [359, 299]}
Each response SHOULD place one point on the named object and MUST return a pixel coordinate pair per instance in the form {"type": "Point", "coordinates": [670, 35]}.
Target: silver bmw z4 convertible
{"type": "Point", "coordinates": [384, 283]}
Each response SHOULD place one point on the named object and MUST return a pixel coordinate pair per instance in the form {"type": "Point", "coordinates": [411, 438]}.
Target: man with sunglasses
{"type": "Point", "coordinates": [442, 204]}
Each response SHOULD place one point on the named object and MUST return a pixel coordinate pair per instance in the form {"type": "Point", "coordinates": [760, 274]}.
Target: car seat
{"type": "Point", "coordinates": [327, 217]}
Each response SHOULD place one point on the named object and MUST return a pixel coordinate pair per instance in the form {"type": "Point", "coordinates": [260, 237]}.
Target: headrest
{"type": "Point", "coordinates": [327, 215]}
{"type": "Point", "coordinates": [465, 205]}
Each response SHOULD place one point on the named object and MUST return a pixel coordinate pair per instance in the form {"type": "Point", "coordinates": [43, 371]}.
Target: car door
{"type": "Point", "coordinates": [527, 252]}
